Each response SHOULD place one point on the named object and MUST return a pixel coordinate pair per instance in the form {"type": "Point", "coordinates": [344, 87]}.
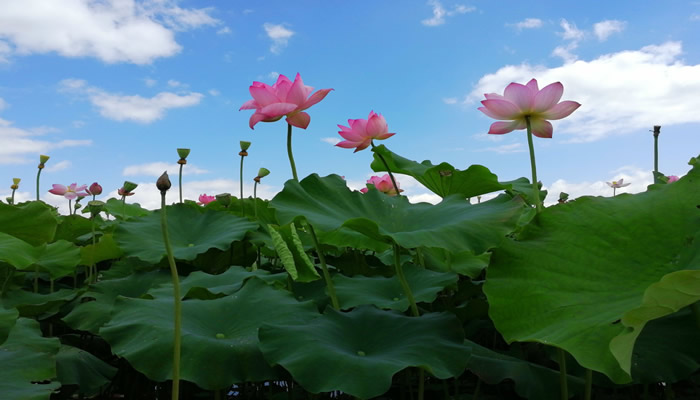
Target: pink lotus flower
{"type": "Point", "coordinates": [71, 192]}
{"type": "Point", "coordinates": [617, 184]}
{"type": "Point", "coordinates": [383, 184]}
{"type": "Point", "coordinates": [672, 178]}
{"type": "Point", "coordinates": [527, 101]}
{"type": "Point", "coordinates": [204, 199]}
{"type": "Point", "coordinates": [361, 132]}
{"type": "Point", "coordinates": [271, 103]}
{"type": "Point", "coordinates": [123, 192]}
{"type": "Point", "coordinates": [94, 189]}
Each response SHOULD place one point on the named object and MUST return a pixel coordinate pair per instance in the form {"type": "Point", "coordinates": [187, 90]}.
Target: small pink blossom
{"type": "Point", "coordinates": [123, 192]}
{"type": "Point", "coordinates": [672, 178]}
{"type": "Point", "coordinates": [361, 132]}
{"type": "Point", "coordinates": [94, 189]}
{"type": "Point", "coordinates": [383, 184]}
{"type": "Point", "coordinates": [285, 97]}
{"type": "Point", "coordinates": [527, 101]}
{"type": "Point", "coordinates": [617, 184]}
{"type": "Point", "coordinates": [71, 192]}
{"type": "Point", "coordinates": [204, 199]}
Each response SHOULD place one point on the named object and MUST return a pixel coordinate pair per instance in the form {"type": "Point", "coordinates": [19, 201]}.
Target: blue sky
{"type": "Point", "coordinates": [110, 89]}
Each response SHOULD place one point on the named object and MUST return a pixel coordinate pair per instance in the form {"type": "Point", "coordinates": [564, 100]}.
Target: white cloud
{"type": "Point", "coordinates": [564, 52]}
{"type": "Point", "coordinates": [18, 143]}
{"type": "Point", "coordinates": [224, 31]}
{"type": "Point", "coordinates": [639, 180]}
{"type": "Point", "coordinates": [331, 140]}
{"type": "Point", "coordinates": [174, 83]}
{"type": "Point", "coordinates": [449, 100]}
{"type": "Point", "coordinates": [110, 30]}
{"type": "Point", "coordinates": [156, 169]}
{"type": "Point", "coordinates": [59, 166]}
{"type": "Point", "coordinates": [150, 82]}
{"type": "Point", "coordinates": [439, 13]}
{"type": "Point", "coordinates": [571, 32]}
{"type": "Point", "coordinates": [213, 92]}
{"type": "Point", "coordinates": [604, 29]}
{"type": "Point", "coordinates": [506, 148]}
{"type": "Point", "coordinates": [528, 23]}
{"type": "Point", "coordinates": [279, 36]}
{"type": "Point", "coordinates": [273, 75]}
{"type": "Point", "coordinates": [130, 107]}
{"type": "Point", "coordinates": [3, 104]}
{"type": "Point", "coordinates": [620, 92]}
{"type": "Point", "coordinates": [695, 17]}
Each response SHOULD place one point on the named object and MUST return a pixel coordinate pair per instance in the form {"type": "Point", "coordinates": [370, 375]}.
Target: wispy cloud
{"type": "Point", "coordinates": [331, 140]}
{"type": "Point", "coordinates": [506, 148]}
{"type": "Point", "coordinates": [111, 31]}
{"type": "Point", "coordinates": [608, 87]}
{"type": "Point", "coordinates": [439, 13]}
{"type": "Point", "coordinates": [224, 31]}
{"type": "Point", "coordinates": [450, 100]}
{"type": "Point", "coordinates": [135, 108]}
{"type": "Point", "coordinates": [157, 168]}
{"type": "Point", "coordinates": [59, 166]}
{"type": "Point", "coordinates": [19, 144]}
{"type": "Point", "coordinates": [571, 32]}
{"type": "Point", "coordinates": [638, 178]}
{"type": "Point", "coordinates": [279, 35]}
{"type": "Point", "coordinates": [604, 29]}
{"type": "Point", "coordinates": [528, 23]}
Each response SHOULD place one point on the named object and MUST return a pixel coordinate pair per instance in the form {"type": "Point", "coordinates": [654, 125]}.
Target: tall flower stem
{"type": "Point", "coordinates": [241, 178]}
{"type": "Point", "coordinates": [533, 166]}
{"type": "Point", "coordinates": [176, 299]}
{"type": "Point", "coordinates": [324, 267]}
{"type": "Point", "coordinates": [13, 196]}
{"type": "Point", "coordinates": [388, 170]}
{"type": "Point", "coordinates": [289, 152]}
{"type": "Point", "coordinates": [179, 182]}
{"type": "Point", "coordinates": [657, 131]}
{"type": "Point", "coordinates": [38, 174]}
{"type": "Point", "coordinates": [70, 206]}
{"type": "Point", "coordinates": [563, 383]}
{"type": "Point", "coordinates": [589, 385]}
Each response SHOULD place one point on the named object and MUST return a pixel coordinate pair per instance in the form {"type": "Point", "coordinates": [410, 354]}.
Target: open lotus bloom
{"type": "Point", "coordinates": [204, 199]}
{"type": "Point", "coordinates": [285, 97]}
{"type": "Point", "coordinates": [617, 184]}
{"type": "Point", "coordinates": [383, 184]}
{"type": "Point", "coordinates": [672, 178]}
{"type": "Point", "coordinates": [71, 192]}
{"type": "Point", "coordinates": [527, 101]}
{"type": "Point", "coordinates": [361, 132]}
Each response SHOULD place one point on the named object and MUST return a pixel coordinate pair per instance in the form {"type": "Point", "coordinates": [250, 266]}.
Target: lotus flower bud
{"type": "Point", "coordinates": [129, 186]}
{"type": "Point", "coordinates": [183, 153]}
{"type": "Point", "coordinates": [224, 199]}
{"type": "Point", "coordinates": [95, 189]}
{"type": "Point", "coordinates": [163, 183]}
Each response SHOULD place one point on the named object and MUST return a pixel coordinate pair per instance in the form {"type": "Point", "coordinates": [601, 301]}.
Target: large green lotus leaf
{"type": "Point", "coordinates": [442, 179]}
{"type": "Point", "coordinates": [105, 249]}
{"type": "Point", "coordinates": [453, 224]}
{"type": "Point", "coordinates": [219, 341]}
{"type": "Point", "coordinates": [72, 227]}
{"type": "Point", "coordinates": [8, 318]}
{"type": "Point", "coordinates": [31, 304]}
{"type": "Point", "coordinates": [27, 361]}
{"type": "Point", "coordinates": [78, 367]}
{"type": "Point", "coordinates": [34, 222]}
{"type": "Point", "coordinates": [358, 352]}
{"type": "Point", "coordinates": [203, 286]}
{"type": "Point", "coordinates": [579, 268]}
{"type": "Point", "coordinates": [59, 258]}
{"type": "Point", "coordinates": [667, 349]}
{"type": "Point", "coordinates": [126, 210]}
{"type": "Point", "coordinates": [463, 263]}
{"type": "Point", "coordinates": [191, 232]}
{"type": "Point", "coordinates": [387, 292]}
{"type": "Point", "coordinates": [532, 381]}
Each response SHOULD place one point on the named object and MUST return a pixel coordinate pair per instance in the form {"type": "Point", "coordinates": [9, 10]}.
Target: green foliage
{"type": "Point", "coordinates": [33, 222]}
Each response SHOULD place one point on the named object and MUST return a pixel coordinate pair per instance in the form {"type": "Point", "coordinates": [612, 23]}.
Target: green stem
{"type": "Point", "coordinates": [613, 192]}
{"type": "Point", "coordinates": [289, 152]}
{"type": "Point", "coordinates": [255, 199]}
{"type": "Point", "coordinates": [37, 184]}
{"type": "Point", "coordinates": [13, 196]}
{"type": "Point", "coordinates": [36, 278]}
{"type": "Point", "coordinates": [589, 384]}
{"type": "Point", "coordinates": [563, 382]}
{"type": "Point", "coordinates": [176, 299]}
{"type": "Point", "coordinates": [70, 206]}
{"type": "Point", "coordinates": [656, 154]}
{"type": "Point", "coordinates": [324, 267]}
{"type": "Point", "coordinates": [538, 202]}
{"type": "Point", "coordinates": [240, 180]}
{"type": "Point", "coordinates": [477, 389]}
{"type": "Point", "coordinates": [179, 182]}
{"type": "Point", "coordinates": [94, 246]}
{"type": "Point", "coordinates": [388, 170]}
{"type": "Point", "coordinates": [695, 308]}
{"type": "Point", "coordinates": [404, 282]}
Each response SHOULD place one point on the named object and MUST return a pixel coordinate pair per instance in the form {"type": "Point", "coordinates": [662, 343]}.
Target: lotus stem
{"type": "Point", "coordinates": [38, 174]}
{"type": "Point", "coordinates": [240, 180]}
{"type": "Point", "coordinates": [388, 170]}
{"type": "Point", "coordinates": [179, 182]}
{"type": "Point", "coordinates": [535, 188]}
{"type": "Point", "coordinates": [657, 131]}
{"type": "Point", "coordinates": [13, 196]}
{"type": "Point", "coordinates": [255, 199]}
{"type": "Point", "coordinates": [176, 299]}
{"type": "Point", "coordinates": [589, 384]}
{"type": "Point", "coordinates": [70, 207]}
{"type": "Point", "coordinates": [289, 152]}
{"type": "Point", "coordinates": [324, 267]}
{"type": "Point", "coordinates": [563, 383]}
{"type": "Point", "coordinates": [404, 282]}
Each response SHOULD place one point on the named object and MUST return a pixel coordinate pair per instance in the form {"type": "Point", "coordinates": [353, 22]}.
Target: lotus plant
{"type": "Point", "coordinates": [617, 185]}
{"type": "Point", "coordinates": [283, 99]}
{"type": "Point", "coordinates": [204, 199]}
{"type": "Point", "coordinates": [94, 190]}
{"type": "Point", "coordinates": [42, 163]}
{"type": "Point", "coordinates": [14, 187]}
{"type": "Point", "coordinates": [528, 107]}
{"type": "Point", "coordinates": [183, 153]}
{"type": "Point", "coordinates": [384, 184]}
{"type": "Point", "coordinates": [672, 178]}
{"type": "Point", "coordinates": [361, 134]}
{"type": "Point", "coordinates": [70, 192]}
